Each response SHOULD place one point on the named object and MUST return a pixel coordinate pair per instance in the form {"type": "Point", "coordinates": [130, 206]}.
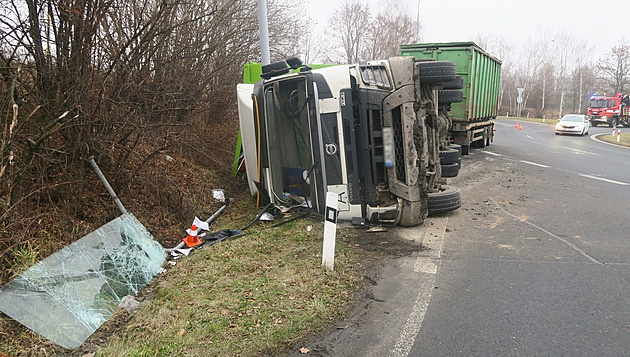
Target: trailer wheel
{"type": "Point", "coordinates": [448, 156]}
{"type": "Point", "coordinates": [448, 96]}
{"type": "Point", "coordinates": [436, 71]}
{"type": "Point", "coordinates": [479, 144]}
{"type": "Point", "coordinates": [457, 83]}
{"type": "Point", "coordinates": [450, 170]}
{"type": "Point", "coordinates": [449, 198]}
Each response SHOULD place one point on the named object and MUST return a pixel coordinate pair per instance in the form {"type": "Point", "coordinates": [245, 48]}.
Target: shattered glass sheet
{"type": "Point", "coordinates": [69, 294]}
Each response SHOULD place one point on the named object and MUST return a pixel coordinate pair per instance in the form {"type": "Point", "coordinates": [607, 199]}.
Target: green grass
{"type": "Point", "coordinates": [250, 296]}
{"type": "Point", "coordinates": [624, 139]}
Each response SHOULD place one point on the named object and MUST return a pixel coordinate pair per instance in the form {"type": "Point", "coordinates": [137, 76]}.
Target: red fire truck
{"type": "Point", "coordinates": [609, 110]}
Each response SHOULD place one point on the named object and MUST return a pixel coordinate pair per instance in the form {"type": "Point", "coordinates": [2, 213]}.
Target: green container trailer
{"type": "Point", "coordinates": [481, 74]}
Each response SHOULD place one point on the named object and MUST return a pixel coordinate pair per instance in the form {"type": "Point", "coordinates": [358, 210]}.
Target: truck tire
{"type": "Point", "coordinates": [455, 147]}
{"type": "Point", "coordinates": [436, 71]}
{"type": "Point", "coordinates": [465, 149]}
{"type": "Point", "coordinates": [612, 122]}
{"type": "Point", "coordinates": [457, 83]}
{"type": "Point", "coordinates": [448, 156]}
{"type": "Point", "coordinates": [450, 170]}
{"type": "Point", "coordinates": [448, 96]}
{"type": "Point", "coordinates": [446, 200]}
{"type": "Point", "coordinates": [479, 144]}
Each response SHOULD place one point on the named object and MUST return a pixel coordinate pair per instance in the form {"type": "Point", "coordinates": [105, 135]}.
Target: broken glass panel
{"type": "Point", "coordinates": [68, 295]}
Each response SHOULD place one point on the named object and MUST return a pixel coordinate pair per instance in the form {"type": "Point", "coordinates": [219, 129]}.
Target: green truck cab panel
{"type": "Point", "coordinates": [480, 72]}
{"type": "Point", "coordinates": [253, 70]}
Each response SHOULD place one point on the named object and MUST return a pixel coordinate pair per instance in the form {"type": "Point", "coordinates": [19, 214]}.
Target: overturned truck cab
{"type": "Point", "coordinates": [373, 132]}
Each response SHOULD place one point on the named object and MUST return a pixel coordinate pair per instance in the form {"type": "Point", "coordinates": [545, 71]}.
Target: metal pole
{"type": "Point", "coordinates": [218, 212]}
{"type": "Point", "coordinates": [418, 20]}
{"type": "Point", "coordinates": [564, 68]}
{"type": "Point", "coordinates": [580, 97]}
{"type": "Point", "coordinates": [264, 31]}
{"type": "Point", "coordinates": [106, 184]}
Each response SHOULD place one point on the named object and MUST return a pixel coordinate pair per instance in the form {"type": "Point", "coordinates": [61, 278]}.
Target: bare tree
{"type": "Point", "coordinates": [362, 35]}
{"type": "Point", "coordinates": [615, 67]}
{"type": "Point", "coordinates": [349, 26]}
{"type": "Point", "coordinates": [124, 81]}
{"type": "Point", "coordinates": [391, 28]}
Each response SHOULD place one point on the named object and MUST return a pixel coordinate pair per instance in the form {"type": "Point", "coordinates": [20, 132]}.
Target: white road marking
{"type": "Point", "coordinates": [427, 264]}
{"type": "Point", "coordinates": [490, 153]}
{"type": "Point", "coordinates": [564, 170]}
{"type": "Point", "coordinates": [580, 151]}
{"type": "Point", "coordinates": [533, 163]}
{"type": "Point", "coordinates": [605, 180]}
{"type": "Point", "coordinates": [551, 234]}
{"type": "Point", "coordinates": [529, 136]}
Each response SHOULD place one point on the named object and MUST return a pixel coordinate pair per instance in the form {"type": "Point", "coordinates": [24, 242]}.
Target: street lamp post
{"type": "Point", "coordinates": [264, 31]}
{"type": "Point", "coordinates": [563, 68]}
{"type": "Point", "coordinates": [418, 20]}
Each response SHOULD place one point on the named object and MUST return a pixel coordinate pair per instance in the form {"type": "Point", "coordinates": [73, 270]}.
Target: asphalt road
{"type": "Point", "coordinates": [536, 262]}
{"type": "Point", "coordinates": [538, 259]}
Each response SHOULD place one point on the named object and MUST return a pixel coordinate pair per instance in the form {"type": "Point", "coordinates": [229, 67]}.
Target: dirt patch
{"type": "Point", "coordinates": [384, 244]}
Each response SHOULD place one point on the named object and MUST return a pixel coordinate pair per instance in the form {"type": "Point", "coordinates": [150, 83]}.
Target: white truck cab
{"type": "Point", "coordinates": [370, 132]}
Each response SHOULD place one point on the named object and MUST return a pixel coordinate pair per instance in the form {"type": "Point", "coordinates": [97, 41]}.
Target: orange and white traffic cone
{"type": "Point", "coordinates": [520, 126]}
{"type": "Point", "coordinates": [516, 126]}
{"type": "Point", "coordinates": [192, 240]}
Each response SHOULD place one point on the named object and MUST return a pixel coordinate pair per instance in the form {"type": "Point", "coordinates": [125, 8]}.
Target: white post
{"type": "Point", "coordinates": [618, 135]}
{"type": "Point", "coordinates": [330, 231]}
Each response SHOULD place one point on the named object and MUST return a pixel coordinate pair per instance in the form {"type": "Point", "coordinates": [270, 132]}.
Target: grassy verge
{"type": "Point", "coordinates": [624, 139]}
{"type": "Point", "coordinates": [250, 296]}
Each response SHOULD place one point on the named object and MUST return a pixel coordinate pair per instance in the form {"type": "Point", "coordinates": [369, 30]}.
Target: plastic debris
{"type": "Point", "coordinates": [266, 216]}
{"type": "Point", "coordinates": [219, 195]}
{"type": "Point", "coordinates": [201, 224]}
{"type": "Point", "coordinates": [219, 236]}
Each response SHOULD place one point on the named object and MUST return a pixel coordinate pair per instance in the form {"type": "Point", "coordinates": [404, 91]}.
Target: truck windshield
{"type": "Point", "coordinates": [598, 103]}
{"type": "Point", "coordinates": [286, 115]}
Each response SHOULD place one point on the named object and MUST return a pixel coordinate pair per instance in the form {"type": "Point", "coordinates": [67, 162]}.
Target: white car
{"type": "Point", "coordinates": [573, 124]}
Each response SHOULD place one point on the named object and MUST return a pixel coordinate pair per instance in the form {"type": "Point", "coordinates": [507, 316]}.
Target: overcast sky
{"type": "Point", "coordinates": [602, 24]}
